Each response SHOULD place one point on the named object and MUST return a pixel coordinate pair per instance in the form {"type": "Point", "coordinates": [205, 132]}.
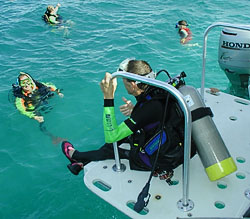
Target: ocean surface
{"type": "Point", "coordinates": [98, 35]}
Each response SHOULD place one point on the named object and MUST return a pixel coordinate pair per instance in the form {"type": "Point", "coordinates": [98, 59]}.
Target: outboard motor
{"type": "Point", "coordinates": [211, 148]}
{"type": "Point", "coordinates": [234, 58]}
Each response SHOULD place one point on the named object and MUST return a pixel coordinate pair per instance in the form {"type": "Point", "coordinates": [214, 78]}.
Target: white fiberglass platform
{"type": "Point", "coordinates": [228, 197]}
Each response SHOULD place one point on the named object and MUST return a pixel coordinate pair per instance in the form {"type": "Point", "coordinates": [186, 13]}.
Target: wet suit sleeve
{"type": "Point", "coordinates": [112, 131]}
{"type": "Point", "coordinates": [21, 107]}
{"type": "Point", "coordinates": [51, 86]}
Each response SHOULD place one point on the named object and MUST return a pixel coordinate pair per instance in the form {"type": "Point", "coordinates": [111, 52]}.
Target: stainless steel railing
{"type": "Point", "coordinates": [184, 204]}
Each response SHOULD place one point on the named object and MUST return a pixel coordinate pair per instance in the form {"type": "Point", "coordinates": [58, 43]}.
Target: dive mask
{"type": "Point", "coordinates": [25, 82]}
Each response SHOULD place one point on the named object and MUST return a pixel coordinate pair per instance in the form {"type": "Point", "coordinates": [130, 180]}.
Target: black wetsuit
{"type": "Point", "coordinates": [146, 116]}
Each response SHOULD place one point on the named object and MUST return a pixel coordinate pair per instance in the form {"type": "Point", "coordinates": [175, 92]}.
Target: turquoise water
{"type": "Point", "coordinates": [34, 180]}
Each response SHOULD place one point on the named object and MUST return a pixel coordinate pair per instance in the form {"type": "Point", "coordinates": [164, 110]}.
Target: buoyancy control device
{"type": "Point", "coordinates": [211, 148]}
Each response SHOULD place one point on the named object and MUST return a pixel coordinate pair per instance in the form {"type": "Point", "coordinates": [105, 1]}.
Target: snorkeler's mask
{"type": "Point", "coordinates": [25, 82]}
{"type": "Point", "coordinates": [28, 81]}
{"type": "Point", "coordinates": [124, 66]}
{"type": "Point", "coordinates": [177, 25]}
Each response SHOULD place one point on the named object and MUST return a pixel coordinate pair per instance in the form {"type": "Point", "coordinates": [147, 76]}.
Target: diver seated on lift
{"type": "Point", "coordinates": [31, 95]}
{"type": "Point", "coordinates": [154, 128]}
{"type": "Point", "coordinates": [51, 16]}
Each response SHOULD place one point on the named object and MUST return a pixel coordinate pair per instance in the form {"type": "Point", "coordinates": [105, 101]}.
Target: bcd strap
{"type": "Point", "coordinates": [201, 112]}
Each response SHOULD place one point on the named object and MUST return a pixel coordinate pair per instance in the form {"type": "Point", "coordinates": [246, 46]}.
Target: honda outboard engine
{"type": "Point", "coordinates": [234, 58]}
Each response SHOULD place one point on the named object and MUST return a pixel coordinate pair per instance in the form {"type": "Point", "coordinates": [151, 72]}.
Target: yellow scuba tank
{"type": "Point", "coordinates": [211, 148]}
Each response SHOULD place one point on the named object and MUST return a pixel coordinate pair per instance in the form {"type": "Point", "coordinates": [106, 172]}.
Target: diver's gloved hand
{"type": "Point", "coordinates": [126, 108]}
{"type": "Point", "coordinates": [61, 95]}
{"type": "Point", "coordinates": [39, 118]}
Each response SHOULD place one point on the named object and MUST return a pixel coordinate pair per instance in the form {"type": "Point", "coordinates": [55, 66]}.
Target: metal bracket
{"type": "Point", "coordinates": [121, 169]}
{"type": "Point", "coordinates": [188, 207]}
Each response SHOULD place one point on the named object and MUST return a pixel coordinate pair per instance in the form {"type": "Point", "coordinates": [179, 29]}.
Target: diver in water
{"type": "Point", "coordinates": [31, 98]}
{"type": "Point", "coordinates": [184, 32]}
{"type": "Point", "coordinates": [51, 16]}
{"type": "Point", "coordinates": [153, 115]}
{"type": "Point", "coordinates": [31, 95]}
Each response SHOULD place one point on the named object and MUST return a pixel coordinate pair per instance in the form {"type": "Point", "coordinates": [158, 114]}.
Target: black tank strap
{"type": "Point", "coordinates": [201, 112]}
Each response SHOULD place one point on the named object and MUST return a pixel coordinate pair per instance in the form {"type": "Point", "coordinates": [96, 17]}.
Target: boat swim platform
{"type": "Point", "coordinates": [228, 197]}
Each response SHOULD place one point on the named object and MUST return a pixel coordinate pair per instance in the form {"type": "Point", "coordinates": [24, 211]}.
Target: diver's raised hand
{"type": "Point", "coordinates": [108, 86]}
{"type": "Point", "coordinates": [39, 118]}
{"type": "Point", "coordinates": [126, 108]}
{"type": "Point", "coordinates": [61, 95]}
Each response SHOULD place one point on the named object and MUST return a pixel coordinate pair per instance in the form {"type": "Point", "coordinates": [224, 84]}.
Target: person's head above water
{"type": "Point", "coordinates": [26, 82]}
{"type": "Point", "coordinates": [50, 8]}
{"type": "Point", "coordinates": [181, 24]}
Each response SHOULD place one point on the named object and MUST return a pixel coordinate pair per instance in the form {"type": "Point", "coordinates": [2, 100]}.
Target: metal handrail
{"type": "Point", "coordinates": [216, 24]}
{"type": "Point", "coordinates": [188, 124]}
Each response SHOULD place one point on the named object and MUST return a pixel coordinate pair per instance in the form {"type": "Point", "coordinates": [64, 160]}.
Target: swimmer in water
{"type": "Point", "coordinates": [184, 32]}
{"type": "Point", "coordinates": [50, 16]}
{"type": "Point", "coordinates": [31, 99]}
{"type": "Point", "coordinates": [30, 95]}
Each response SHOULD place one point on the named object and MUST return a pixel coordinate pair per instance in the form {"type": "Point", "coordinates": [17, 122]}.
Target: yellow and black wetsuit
{"type": "Point", "coordinates": [51, 18]}
{"type": "Point", "coordinates": [27, 103]}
